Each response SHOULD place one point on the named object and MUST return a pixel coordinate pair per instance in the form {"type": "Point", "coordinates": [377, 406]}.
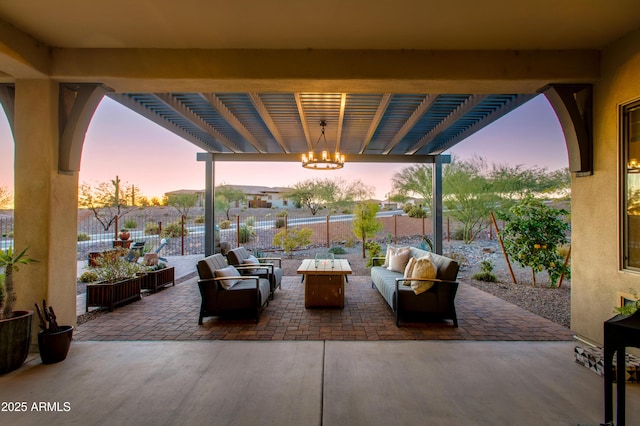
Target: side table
{"type": "Point", "coordinates": [619, 332]}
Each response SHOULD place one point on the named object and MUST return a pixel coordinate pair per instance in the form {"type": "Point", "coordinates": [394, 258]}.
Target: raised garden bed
{"type": "Point", "coordinates": [110, 295]}
{"type": "Point", "coordinates": [153, 280]}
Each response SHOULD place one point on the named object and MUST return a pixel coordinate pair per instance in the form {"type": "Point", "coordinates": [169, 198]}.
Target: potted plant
{"type": "Point", "coordinates": [124, 234]}
{"type": "Point", "coordinates": [157, 275]}
{"type": "Point", "coordinates": [53, 340]}
{"type": "Point", "coordinates": [118, 281]}
{"type": "Point", "coordinates": [15, 326]}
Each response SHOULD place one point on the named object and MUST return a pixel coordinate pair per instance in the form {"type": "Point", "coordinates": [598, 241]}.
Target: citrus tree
{"type": "Point", "coordinates": [532, 235]}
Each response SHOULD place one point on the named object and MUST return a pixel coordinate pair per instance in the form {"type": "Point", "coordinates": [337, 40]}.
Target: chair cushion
{"type": "Point", "coordinates": [229, 271]}
{"type": "Point", "coordinates": [426, 269]}
{"type": "Point", "coordinates": [251, 260]}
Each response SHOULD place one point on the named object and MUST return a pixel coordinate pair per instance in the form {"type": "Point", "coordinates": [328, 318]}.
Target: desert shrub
{"type": "Point", "coordinates": [486, 272]}
{"type": "Point", "coordinates": [281, 219]}
{"type": "Point", "coordinates": [199, 219]}
{"type": "Point", "coordinates": [246, 233]}
{"type": "Point", "coordinates": [458, 234]}
{"type": "Point", "coordinates": [407, 208]}
{"type": "Point", "coordinates": [417, 211]}
{"type": "Point", "coordinates": [173, 230]}
{"type": "Point", "coordinates": [373, 249]}
{"type": "Point", "coordinates": [88, 277]}
{"type": "Point", "coordinates": [83, 236]}
{"type": "Point", "coordinates": [350, 242]}
{"type": "Point", "coordinates": [151, 228]}
{"type": "Point", "coordinates": [130, 224]}
{"type": "Point", "coordinates": [290, 239]}
{"type": "Point", "coordinates": [225, 224]}
{"type": "Point", "coordinates": [250, 221]}
{"type": "Point", "coordinates": [337, 250]}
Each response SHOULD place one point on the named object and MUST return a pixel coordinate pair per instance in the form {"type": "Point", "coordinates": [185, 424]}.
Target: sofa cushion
{"type": "Point", "coordinates": [409, 270]}
{"type": "Point", "coordinates": [398, 258]}
{"type": "Point", "coordinates": [424, 268]}
{"type": "Point", "coordinates": [229, 271]}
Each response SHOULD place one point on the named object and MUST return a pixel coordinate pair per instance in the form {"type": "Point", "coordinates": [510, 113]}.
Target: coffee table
{"type": "Point", "coordinates": [324, 282]}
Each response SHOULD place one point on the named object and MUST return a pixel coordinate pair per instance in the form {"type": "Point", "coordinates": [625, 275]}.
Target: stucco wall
{"type": "Point", "coordinates": [596, 272]}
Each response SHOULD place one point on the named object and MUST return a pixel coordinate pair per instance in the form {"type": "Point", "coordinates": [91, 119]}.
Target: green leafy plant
{"type": "Point", "coordinates": [373, 250]}
{"type": "Point", "coordinates": [486, 272]}
{"type": "Point", "coordinates": [290, 239]}
{"type": "Point", "coordinates": [199, 219]}
{"type": "Point", "coordinates": [88, 277]}
{"type": "Point", "coordinates": [630, 308]}
{"type": "Point", "coordinates": [10, 261]}
{"type": "Point", "coordinates": [417, 211]}
{"type": "Point", "coordinates": [532, 234]}
{"type": "Point", "coordinates": [225, 224]}
{"type": "Point", "coordinates": [112, 267]}
{"type": "Point", "coordinates": [83, 236]}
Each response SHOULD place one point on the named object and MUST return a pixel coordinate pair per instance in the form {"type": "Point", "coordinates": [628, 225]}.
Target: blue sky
{"type": "Point", "coordinates": [120, 142]}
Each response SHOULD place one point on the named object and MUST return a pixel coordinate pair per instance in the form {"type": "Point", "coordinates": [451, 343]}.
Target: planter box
{"type": "Point", "coordinates": [153, 280]}
{"type": "Point", "coordinates": [110, 295]}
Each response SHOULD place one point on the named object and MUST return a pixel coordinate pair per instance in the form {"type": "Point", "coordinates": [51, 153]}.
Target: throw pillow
{"type": "Point", "coordinates": [426, 269]}
{"type": "Point", "coordinates": [409, 270]}
{"type": "Point", "coordinates": [251, 260]}
{"type": "Point", "coordinates": [399, 258]}
{"type": "Point", "coordinates": [229, 271]}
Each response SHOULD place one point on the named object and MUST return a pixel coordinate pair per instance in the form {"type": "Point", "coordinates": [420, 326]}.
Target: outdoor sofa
{"type": "Point", "coordinates": [435, 303]}
{"type": "Point", "coordinates": [224, 290]}
{"type": "Point", "coordinates": [243, 259]}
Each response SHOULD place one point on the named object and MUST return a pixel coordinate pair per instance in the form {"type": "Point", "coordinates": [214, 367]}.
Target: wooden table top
{"type": "Point", "coordinates": [325, 267]}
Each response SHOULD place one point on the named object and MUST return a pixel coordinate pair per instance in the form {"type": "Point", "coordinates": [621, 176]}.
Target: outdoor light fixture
{"type": "Point", "coordinates": [323, 161]}
{"type": "Point", "coordinates": [633, 166]}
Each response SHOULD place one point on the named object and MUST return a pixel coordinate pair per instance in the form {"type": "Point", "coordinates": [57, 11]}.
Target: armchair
{"type": "Point", "coordinates": [224, 290]}
{"type": "Point", "coordinates": [241, 258]}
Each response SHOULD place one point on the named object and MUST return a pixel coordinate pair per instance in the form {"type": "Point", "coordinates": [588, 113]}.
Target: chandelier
{"type": "Point", "coordinates": [323, 161]}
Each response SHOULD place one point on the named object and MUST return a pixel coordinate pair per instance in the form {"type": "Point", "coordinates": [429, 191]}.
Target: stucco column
{"type": "Point", "coordinates": [45, 204]}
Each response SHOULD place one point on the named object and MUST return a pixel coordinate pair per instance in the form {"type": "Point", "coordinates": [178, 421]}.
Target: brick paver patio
{"type": "Point", "coordinates": [172, 314]}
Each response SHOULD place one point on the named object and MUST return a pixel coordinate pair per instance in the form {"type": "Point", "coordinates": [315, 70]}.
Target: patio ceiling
{"type": "Point", "coordinates": [87, 41]}
{"type": "Point", "coordinates": [358, 125]}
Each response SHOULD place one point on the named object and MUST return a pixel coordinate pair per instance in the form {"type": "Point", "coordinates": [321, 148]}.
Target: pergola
{"type": "Point", "coordinates": [397, 81]}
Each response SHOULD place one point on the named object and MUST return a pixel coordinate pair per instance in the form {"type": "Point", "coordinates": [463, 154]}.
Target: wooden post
{"type": "Point", "coordinates": [506, 256]}
{"type": "Point", "coordinates": [182, 233]}
{"type": "Point", "coordinates": [238, 230]}
{"type": "Point", "coordinates": [115, 237]}
{"type": "Point", "coordinates": [328, 231]}
{"type": "Point", "coordinates": [566, 262]}
{"type": "Point", "coordinates": [448, 231]}
{"type": "Point", "coordinates": [395, 229]}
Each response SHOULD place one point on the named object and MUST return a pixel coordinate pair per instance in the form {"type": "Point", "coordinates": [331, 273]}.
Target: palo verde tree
{"type": "Point", "coordinates": [365, 223]}
{"type": "Point", "coordinates": [335, 193]}
{"type": "Point", "coordinates": [226, 197]}
{"type": "Point", "coordinates": [182, 202]}
{"type": "Point", "coordinates": [107, 200]}
{"type": "Point", "coordinates": [532, 235]}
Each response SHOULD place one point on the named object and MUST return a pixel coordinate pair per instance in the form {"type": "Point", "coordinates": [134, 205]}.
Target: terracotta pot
{"type": "Point", "coordinates": [54, 347]}
{"type": "Point", "coordinates": [15, 338]}
{"type": "Point", "coordinates": [124, 235]}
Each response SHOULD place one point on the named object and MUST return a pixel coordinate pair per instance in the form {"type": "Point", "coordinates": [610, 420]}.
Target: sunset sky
{"type": "Point", "coordinates": [120, 142]}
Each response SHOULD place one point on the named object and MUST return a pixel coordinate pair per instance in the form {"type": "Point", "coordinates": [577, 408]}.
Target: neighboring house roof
{"type": "Point", "coordinates": [246, 189]}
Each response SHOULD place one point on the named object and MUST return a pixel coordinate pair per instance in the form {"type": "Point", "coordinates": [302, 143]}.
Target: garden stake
{"type": "Point", "coordinates": [506, 256]}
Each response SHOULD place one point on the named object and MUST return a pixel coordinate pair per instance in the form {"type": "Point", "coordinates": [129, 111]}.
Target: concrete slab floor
{"type": "Point", "coordinates": [309, 383]}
